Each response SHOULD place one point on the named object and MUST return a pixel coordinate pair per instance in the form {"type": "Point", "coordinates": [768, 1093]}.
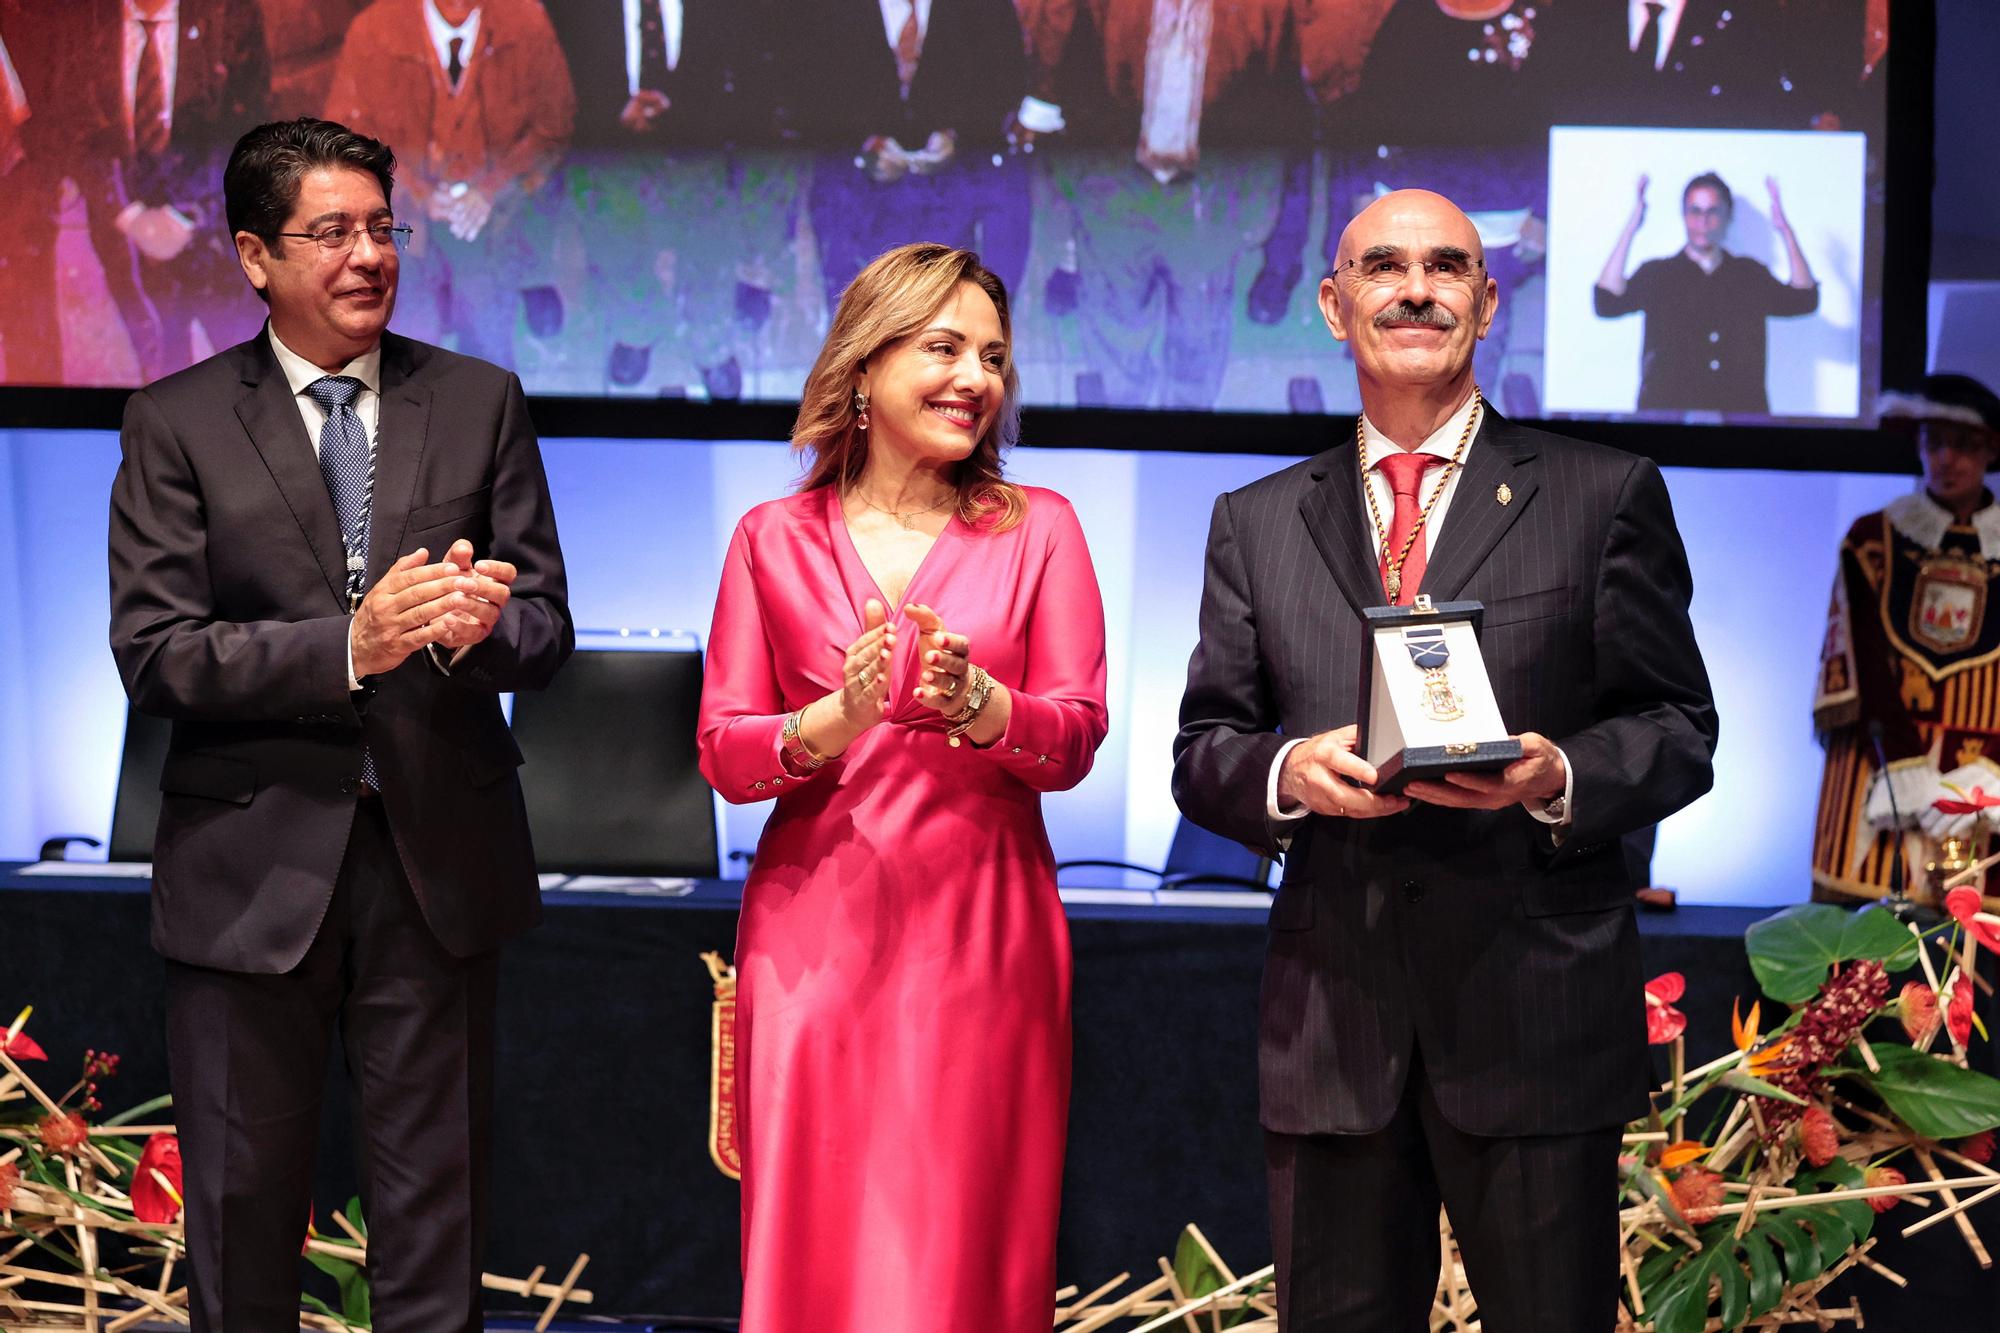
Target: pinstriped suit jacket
{"type": "Point", "coordinates": [1510, 962]}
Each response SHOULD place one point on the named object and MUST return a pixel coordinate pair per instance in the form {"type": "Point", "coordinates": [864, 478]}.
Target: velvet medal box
{"type": "Point", "coordinates": [1427, 707]}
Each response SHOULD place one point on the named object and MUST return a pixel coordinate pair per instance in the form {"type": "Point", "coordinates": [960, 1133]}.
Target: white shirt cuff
{"type": "Point", "coordinates": [353, 682]}
{"type": "Point", "coordinates": [1569, 799]}
{"type": "Point", "coordinates": [1271, 809]}
{"type": "Point", "coordinates": [443, 663]}
{"type": "Point", "coordinates": [1041, 117]}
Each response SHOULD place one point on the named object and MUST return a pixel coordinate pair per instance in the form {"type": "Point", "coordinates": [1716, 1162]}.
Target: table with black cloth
{"type": "Point", "coordinates": [603, 1084]}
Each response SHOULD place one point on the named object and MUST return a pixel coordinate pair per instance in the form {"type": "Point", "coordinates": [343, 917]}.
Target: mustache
{"type": "Point", "coordinates": [1406, 312]}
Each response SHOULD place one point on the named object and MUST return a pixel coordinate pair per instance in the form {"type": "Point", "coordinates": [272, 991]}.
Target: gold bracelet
{"type": "Point", "coordinates": [794, 744]}
{"type": "Point", "coordinates": [978, 688]}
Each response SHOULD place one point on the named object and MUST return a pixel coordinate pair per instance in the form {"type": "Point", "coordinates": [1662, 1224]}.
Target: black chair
{"type": "Point", "coordinates": [135, 813]}
{"type": "Point", "coordinates": [1197, 859]}
{"type": "Point", "coordinates": [611, 782]}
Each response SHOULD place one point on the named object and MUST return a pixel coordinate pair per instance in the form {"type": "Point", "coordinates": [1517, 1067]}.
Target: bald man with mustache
{"type": "Point", "coordinates": [1452, 1008]}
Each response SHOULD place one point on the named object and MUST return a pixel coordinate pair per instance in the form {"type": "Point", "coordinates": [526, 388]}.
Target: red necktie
{"type": "Point", "coordinates": [1405, 472]}
{"type": "Point", "coordinates": [149, 95]}
{"type": "Point", "coordinates": [909, 48]}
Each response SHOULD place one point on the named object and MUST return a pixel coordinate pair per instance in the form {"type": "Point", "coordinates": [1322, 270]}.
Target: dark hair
{"type": "Point", "coordinates": [260, 186]}
{"type": "Point", "coordinates": [1709, 180]}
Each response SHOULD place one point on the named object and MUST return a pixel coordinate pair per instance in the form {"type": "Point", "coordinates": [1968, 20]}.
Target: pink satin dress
{"type": "Point", "coordinates": [903, 966]}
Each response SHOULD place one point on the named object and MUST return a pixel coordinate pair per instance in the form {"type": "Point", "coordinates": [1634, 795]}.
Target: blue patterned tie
{"type": "Point", "coordinates": [348, 466]}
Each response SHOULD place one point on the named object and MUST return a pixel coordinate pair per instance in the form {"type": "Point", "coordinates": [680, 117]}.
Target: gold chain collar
{"type": "Point", "coordinates": [1394, 574]}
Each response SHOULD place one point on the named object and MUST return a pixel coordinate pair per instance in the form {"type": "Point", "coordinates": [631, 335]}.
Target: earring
{"type": "Point", "coordinates": [860, 410]}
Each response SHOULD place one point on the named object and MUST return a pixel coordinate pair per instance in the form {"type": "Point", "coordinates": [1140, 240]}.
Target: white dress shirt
{"type": "Point", "coordinates": [442, 33]}
{"type": "Point", "coordinates": [166, 42]}
{"type": "Point", "coordinates": [1441, 443]}
{"type": "Point", "coordinates": [670, 28]}
{"type": "Point", "coordinates": [1670, 23]}
{"type": "Point", "coordinates": [895, 13]}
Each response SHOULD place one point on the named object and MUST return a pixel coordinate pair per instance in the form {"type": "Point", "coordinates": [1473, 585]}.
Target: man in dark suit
{"type": "Point", "coordinates": [152, 93]}
{"type": "Point", "coordinates": [913, 127]}
{"type": "Point", "coordinates": [677, 234]}
{"type": "Point", "coordinates": [1452, 1005]}
{"type": "Point", "coordinates": [331, 549]}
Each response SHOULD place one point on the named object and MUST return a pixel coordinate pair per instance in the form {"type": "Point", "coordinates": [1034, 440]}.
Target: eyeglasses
{"type": "Point", "coordinates": [1386, 272]}
{"type": "Point", "coordinates": [338, 240]}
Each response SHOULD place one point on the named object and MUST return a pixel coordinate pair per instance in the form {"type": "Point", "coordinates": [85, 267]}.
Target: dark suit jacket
{"type": "Point", "coordinates": [222, 87]}
{"type": "Point", "coordinates": [840, 83]}
{"type": "Point", "coordinates": [1753, 66]}
{"type": "Point", "coordinates": [720, 88]}
{"type": "Point", "coordinates": [228, 616]}
{"type": "Point", "coordinates": [1513, 964]}
{"type": "Point", "coordinates": [1090, 57]}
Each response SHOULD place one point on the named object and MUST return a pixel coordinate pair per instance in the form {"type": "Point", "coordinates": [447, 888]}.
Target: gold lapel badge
{"type": "Point", "coordinates": [1505, 495]}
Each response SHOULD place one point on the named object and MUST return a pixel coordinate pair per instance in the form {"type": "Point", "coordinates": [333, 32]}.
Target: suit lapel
{"type": "Point", "coordinates": [270, 414]}
{"type": "Point", "coordinates": [401, 437]}
{"type": "Point", "coordinates": [1477, 520]}
{"type": "Point", "coordinates": [1333, 516]}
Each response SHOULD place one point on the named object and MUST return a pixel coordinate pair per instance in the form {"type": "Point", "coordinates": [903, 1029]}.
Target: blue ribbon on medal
{"type": "Point", "coordinates": [1432, 654]}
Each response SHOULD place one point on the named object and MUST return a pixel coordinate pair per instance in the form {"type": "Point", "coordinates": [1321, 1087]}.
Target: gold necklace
{"type": "Point", "coordinates": [906, 521]}
{"type": "Point", "coordinates": [1392, 578]}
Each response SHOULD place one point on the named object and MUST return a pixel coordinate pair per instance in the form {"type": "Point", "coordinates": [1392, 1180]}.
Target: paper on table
{"type": "Point", "coordinates": [90, 869]}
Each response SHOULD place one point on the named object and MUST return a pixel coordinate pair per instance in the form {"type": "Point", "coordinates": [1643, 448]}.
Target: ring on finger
{"type": "Point", "coordinates": [950, 687]}
{"type": "Point", "coordinates": [867, 677]}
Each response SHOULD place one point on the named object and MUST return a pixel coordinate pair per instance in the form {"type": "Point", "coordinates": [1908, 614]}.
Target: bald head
{"type": "Point", "coordinates": [1411, 298]}
{"type": "Point", "coordinates": [1404, 214]}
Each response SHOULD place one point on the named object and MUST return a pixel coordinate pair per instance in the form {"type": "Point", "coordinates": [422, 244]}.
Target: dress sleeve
{"type": "Point", "coordinates": [742, 708]}
{"type": "Point", "coordinates": [1637, 295]}
{"type": "Point", "coordinates": [1059, 717]}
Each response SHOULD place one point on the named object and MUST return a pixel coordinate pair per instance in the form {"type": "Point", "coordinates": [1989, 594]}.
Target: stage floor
{"type": "Point", "coordinates": [603, 1076]}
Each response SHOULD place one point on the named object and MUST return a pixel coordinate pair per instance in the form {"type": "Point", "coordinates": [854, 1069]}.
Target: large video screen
{"type": "Point", "coordinates": [1681, 200]}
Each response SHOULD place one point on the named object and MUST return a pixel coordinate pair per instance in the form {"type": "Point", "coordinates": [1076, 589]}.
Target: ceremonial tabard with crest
{"type": "Point", "coordinates": [1910, 644]}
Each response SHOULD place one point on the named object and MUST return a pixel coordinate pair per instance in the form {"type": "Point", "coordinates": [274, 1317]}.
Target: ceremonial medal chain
{"type": "Point", "coordinates": [1394, 578]}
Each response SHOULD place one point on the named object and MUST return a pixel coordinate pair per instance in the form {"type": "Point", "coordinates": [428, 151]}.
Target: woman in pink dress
{"type": "Point", "coordinates": [906, 654]}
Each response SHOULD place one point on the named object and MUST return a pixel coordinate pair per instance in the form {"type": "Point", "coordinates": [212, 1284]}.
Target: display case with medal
{"type": "Point", "coordinates": [1426, 706]}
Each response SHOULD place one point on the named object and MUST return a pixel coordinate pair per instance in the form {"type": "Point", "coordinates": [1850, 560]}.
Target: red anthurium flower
{"type": "Point", "coordinates": [1979, 1147]}
{"type": "Point", "coordinates": [1969, 802]}
{"type": "Point", "coordinates": [1958, 1011]}
{"type": "Point", "coordinates": [1963, 904]}
{"type": "Point", "coordinates": [156, 1181]}
{"type": "Point", "coordinates": [10, 1177]}
{"type": "Point", "coordinates": [1819, 1136]}
{"type": "Point", "coordinates": [1919, 1011]}
{"type": "Point", "coordinates": [63, 1132]}
{"type": "Point", "coordinates": [18, 1044]}
{"type": "Point", "coordinates": [1663, 1021]}
{"type": "Point", "coordinates": [1883, 1175]}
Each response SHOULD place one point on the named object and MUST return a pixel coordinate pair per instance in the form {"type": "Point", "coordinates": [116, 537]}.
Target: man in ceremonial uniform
{"type": "Point", "coordinates": [1911, 662]}
{"type": "Point", "coordinates": [480, 97]}
{"type": "Point", "coordinates": [1452, 1003]}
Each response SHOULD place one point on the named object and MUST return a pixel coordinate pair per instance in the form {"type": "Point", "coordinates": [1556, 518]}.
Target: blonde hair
{"type": "Point", "coordinates": [894, 297]}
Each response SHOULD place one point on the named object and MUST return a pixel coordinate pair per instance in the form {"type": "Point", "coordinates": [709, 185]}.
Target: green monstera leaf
{"type": "Point", "coordinates": [1934, 1097]}
{"type": "Point", "coordinates": [1793, 952]}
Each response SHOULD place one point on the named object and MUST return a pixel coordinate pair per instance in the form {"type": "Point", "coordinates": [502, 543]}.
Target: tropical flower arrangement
{"type": "Point", "coordinates": [90, 1213]}
{"type": "Point", "coordinates": [1856, 1103]}
{"type": "Point", "coordinates": [1758, 1178]}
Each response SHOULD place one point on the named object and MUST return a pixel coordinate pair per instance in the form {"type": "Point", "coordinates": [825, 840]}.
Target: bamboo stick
{"type": "Point", "coordinates": [1248, 1279]}
{"type": "Point", "coordinates": [561, 1295]}
{"type": "Point", "coordinates": [1956, 1213]}
{"type": "Point", "coordinates": [1093, 1298]}
{"type": "Point", "coordinates": [1119, 1308]}
{"type": "Point", "coordinates": [1935, 1218]}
